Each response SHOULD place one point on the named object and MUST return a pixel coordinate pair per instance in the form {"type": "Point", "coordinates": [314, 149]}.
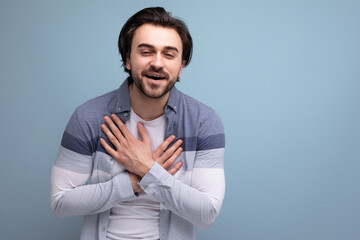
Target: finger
{"type": "Point", "coordinates": [143, 133]}
{"type": "Point", "coordinates": [174, 169]}
{"type": "Point", "coordinates": [107, 147]}
{"type": "Point", "coordinates": [163, 158]}
{"type": "Point", "coordinates": [172, 159]}
{"type": "Point", "coordinates": [160, 150]}
{"type": "Point", "coordinates": [122, 127]}
{"type": "Point", "coordinates": [114, 140]}
{"type": "Point", "coordinates": [114, 129]}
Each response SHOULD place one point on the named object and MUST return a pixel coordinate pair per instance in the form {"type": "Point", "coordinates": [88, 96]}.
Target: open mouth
{"type": "Point", "coordinates": [155, 77]}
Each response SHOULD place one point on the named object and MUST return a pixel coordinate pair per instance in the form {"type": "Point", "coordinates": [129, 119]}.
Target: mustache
{"type": "Point", "coordinates": [153, 70]}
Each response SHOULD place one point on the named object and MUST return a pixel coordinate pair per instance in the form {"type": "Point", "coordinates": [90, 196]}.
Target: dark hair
{"type": "Point", "coordinates": [159, 17]}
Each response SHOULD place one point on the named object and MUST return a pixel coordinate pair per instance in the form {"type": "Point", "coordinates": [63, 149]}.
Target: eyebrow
{"type": "Point", "coordinates": [151, 46]}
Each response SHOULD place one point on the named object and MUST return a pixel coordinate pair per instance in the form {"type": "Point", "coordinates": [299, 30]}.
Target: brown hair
{"type": "Point", "coordinates": [157, 16]}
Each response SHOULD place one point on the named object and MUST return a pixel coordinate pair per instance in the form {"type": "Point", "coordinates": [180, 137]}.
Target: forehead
{"type": "Point", "coordinates": [157, 36]}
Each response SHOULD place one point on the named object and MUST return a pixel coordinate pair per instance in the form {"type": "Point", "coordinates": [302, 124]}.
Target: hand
{"type": "Point", "coordinates": [134, 155]}
{"type": "Point", "coordinates": [168, 157]}
{"type": "Point", "coordinates": [129, 151]}
{"type": "Point", "coordinates": [165, 159]}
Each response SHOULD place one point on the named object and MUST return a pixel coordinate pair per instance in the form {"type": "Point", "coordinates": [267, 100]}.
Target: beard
{"type": "Point", "coordinates": [153, 91]}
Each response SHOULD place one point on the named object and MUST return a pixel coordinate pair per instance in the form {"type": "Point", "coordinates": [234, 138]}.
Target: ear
{"type": "Point", "coordinates": [127, 63]}
{"type": "Point", "coordinates": [182, 67]}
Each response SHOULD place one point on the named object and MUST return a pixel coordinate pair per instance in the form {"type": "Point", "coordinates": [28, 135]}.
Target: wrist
{"type": "Point", "coordinates": [146, 168]}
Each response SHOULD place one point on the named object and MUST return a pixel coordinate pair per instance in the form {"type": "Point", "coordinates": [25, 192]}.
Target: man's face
{"type": "Point", "coordinates": [155, 60]}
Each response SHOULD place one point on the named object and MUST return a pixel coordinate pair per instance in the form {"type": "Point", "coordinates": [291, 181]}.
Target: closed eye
{"type": "Point", "coordinates": [168, 55]}
{"type": "Point", "coordinates": [145, 53]}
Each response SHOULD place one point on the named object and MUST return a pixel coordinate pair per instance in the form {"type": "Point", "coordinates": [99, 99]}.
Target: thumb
{"type": "Point", "coordinates": [143, 133]}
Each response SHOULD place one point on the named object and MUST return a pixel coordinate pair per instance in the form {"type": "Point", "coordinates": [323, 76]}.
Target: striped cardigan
{"type": "Point", "coordinates": [81, 182]}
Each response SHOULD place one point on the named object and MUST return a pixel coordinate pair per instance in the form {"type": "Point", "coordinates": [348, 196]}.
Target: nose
{"type": "Point", "coordinates": [157, 61]}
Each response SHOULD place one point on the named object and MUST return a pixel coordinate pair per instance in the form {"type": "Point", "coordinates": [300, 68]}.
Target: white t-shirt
{"type": "Point", "coordinates": [139, 218]}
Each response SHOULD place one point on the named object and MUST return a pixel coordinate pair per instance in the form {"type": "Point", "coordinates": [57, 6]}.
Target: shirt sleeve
{"type": "Point", "coordinates": [200, 202]}
{"type": "Point", "coordinates": [69, 192]}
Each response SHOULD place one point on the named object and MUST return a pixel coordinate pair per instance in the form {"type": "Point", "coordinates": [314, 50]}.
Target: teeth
{"type": "Point", "coordinates": [155, 77]}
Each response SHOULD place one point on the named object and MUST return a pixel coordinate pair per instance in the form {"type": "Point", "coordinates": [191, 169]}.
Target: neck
{"type": "Point", "coordinates": [145, 107]}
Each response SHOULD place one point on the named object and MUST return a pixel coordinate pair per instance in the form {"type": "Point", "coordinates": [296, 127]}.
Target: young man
{"type": "Point", "coordinates": [144, 161]}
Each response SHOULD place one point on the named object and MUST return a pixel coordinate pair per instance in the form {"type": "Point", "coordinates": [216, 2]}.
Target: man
{"type": "Point", "coordinates": [144, 161]}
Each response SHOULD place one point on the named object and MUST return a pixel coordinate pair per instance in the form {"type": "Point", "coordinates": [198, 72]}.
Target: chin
{"type": "Point", "coordinates": [154, 95]}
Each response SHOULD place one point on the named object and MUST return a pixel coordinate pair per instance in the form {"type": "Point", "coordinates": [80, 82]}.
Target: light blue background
{"type": "Point", "coordinates": [283, 75]}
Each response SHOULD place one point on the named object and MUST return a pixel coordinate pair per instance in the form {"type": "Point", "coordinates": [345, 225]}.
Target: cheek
{"type": "Point", "coordinates": [175, 68]}
{"type": "Point", "coordinates": [139, 64]}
